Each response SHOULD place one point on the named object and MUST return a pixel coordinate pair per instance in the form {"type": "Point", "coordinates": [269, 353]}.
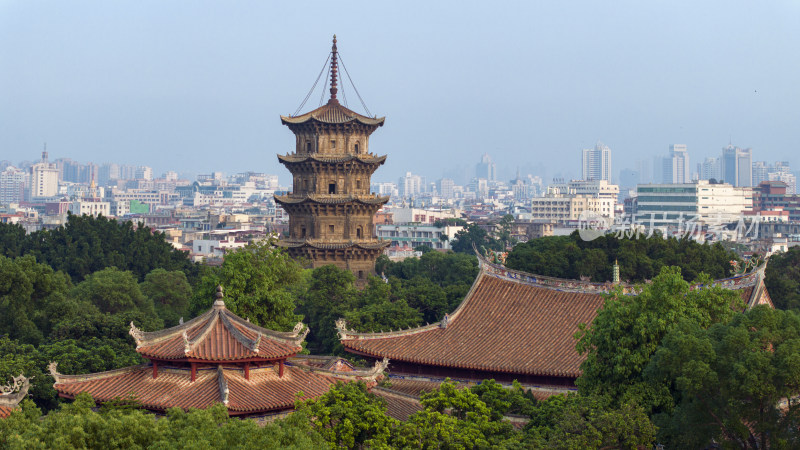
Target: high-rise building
{"type": "Point", "coordinates": [44, 178]}
{"type": "Point", "coordinates": [144, 173]}
{"type": "Point", "coordinates": [486, 169]}
{"type": "Point", "coordinates": [446, 188]}
{"type": "Point", "coordinates": [676, 166]}
{"type": "Point", "coordinates": [737, 166]}
{"type": "Point", "coordinates": [330, 207]}
{"type": "Point", "coordinates": [409, 185]}
{"type": "Point", "coordinates": [12, 185]}
{"type": "Point", "coordinates": [710, 169]}
{"type": "Point", "coordinates": [761, 172]}
{"type": "Point", "coordinates": [782, 172]}
{"type": "Point", "coordinates": [597, 163]}
{"type": "Point", "coordinates": [107, 173]}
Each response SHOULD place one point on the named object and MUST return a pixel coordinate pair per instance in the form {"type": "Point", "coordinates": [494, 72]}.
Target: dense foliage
{"type": "Point", "coordinates": [76, 425]}
{"type": "Point", "coordinates": [735, 382]}
{"type": "Point", "coordinates": [87, 244]}
{"type": "Point", "coordinates": [639, 258]}
{"type": "Point", "coordinates": [783, 279]}
{"type": "Point", "coordinates": [628, 330]}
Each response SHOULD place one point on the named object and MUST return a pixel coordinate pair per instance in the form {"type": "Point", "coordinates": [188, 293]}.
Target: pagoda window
{"type": "Point", "coordinates": [358, 182]}
{"type": "Point", "coordinates": [333, 143]}
{"type": "Point", "coordinates": [305, 184]}
{"type": "Point", "coordinates": [359, 232]}
{"type": "Point", "coordinates": [331, 229]}
{"type": "Point", "coordinates": [331, 188]}
{"type": "Point", "coordinates": [303, 232]}
{"type": "Point", "coordinates": [355, 147]}
{"type": "Point", "coordinates": [360, 274]}
{"type": "Point", "coordinates": [308, 147]}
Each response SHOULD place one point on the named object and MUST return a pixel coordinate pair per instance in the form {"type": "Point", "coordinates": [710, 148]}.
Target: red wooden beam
{"type": "Point", "coordinates": [280, 368]}
{"type": "Point", "coordinates": [155, 369]}
{"type": "Point", "coordinates": [194, 371]}
{"type": "Point", "coordinates": [247, 371]}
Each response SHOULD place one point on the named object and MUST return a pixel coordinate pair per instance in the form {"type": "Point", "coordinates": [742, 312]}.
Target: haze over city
{"type": "Point", "coordinates": [198, 86]}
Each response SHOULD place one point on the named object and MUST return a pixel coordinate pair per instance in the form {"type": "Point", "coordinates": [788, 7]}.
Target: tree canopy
{"type": "Point", "coordinates": [783, 279]}
{"type": "Point", "coordinates": [639, 258]}
{"type": "Point", "coordinates": [86, 244]}
{"type": "Point", "coordinates": [629, 328]}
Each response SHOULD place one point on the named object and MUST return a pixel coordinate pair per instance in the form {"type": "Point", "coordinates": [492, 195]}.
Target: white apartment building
{"type": "Point", "coordinates": [412, 236]}
{"type": "Point", "coordinates": [562, 208]}
{"type": "Point", "coordinates": [597, 163]}
{"type": "Point", "coordinates": [12, 185]}
{"type": "Point", "coordinates": [90, 208]}
{"type": "Point", "coordinates": [44, 178]}
{"type": "Point", "coordinates": [701, 201]}
{"type": "Point", "coordinates": [419, 215]}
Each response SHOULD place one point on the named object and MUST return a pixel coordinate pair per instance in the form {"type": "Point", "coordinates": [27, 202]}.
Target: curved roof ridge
{"type": "Point", "coordinates": [371, 374]}
{"type": "Point", "coordinates": [344, 334]}
{"type": "Point", "coordinates": [152, 337]}
{"type": "Point", "coordinates": [565, 284]}
{"type": "Point", "coordinates": [59, 377]}
{"type": "Point", "coordinates": [290, 337]}
{"type": "Point", "coordinates": [251, 344]}
{"type": "Point", "coordinates": [328, 199]}
{"type": "Point", "coordinates": [366, 158]}
{"type": "Point", "coordinates": [14, 392]}
{"type": "Point", "coordinates": [204, 331]}
{"type": "Point", "coordinates": [332, 112]}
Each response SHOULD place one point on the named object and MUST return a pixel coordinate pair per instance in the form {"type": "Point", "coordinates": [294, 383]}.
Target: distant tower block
{"type": "Point", "coordinates": [330, 207]}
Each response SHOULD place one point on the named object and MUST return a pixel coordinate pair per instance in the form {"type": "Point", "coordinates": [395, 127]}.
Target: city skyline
{"type": "Point", "coordinates": [182, 88]}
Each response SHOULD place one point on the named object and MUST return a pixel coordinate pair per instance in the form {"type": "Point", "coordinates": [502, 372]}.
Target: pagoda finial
{"type": "Point", "coordinates": [334, 71]}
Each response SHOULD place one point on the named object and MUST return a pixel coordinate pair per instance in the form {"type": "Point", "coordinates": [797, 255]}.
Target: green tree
{"type": "Point", "coordinates": [27, 291]}
{"type": "Point", "coordinates": [77, 425]}
{"type": "Point", "coordinates": [349, 416]}
{"type": "Point", "coordinates": [87, 244]}
{"type": "Point", "coordinates": [474, 235]}
{"type": "Point", "coordinates": [640, 258]}
{"type": "Point", "coordinates": [783, 279]}
{"type": "Point", "coordinates": [379, 309]}
{"type": "Point", "coordinates": [112, 291]}
{"type": "Point", "coordinates": [581, 422]}
{"type": "Point", "coordinates": [170, 293]}
{"type": "Point", "coordinates": [736, 383]}
{"type": "Point", "coordinates": [259, 283]}
{"type": "Point", "coordinates": [330, 296]}
{"type": "Point", "coordinates": [455, 418]}
{"type": "Point", "coordinates": [628, 329]}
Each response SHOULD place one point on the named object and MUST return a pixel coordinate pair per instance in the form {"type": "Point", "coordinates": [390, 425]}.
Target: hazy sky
{"type": "Point", "coordinates": [197, 86]}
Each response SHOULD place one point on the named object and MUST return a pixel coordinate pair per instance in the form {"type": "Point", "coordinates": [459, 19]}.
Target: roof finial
{"type": "Point", "coordinates": [219, 303]}
{"type": "Point", "coordinates": [334, 70]}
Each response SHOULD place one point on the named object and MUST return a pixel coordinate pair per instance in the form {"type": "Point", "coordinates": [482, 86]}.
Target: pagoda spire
{"type": "Point", "coordinates": [334, 71]}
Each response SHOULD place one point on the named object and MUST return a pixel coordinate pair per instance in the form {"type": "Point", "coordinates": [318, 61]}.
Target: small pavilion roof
{"type": "Point", "coordinates": [13, 393]}
{"type": "Point", "coordinates": [512, 322]}
{"type": "Point", "coordinates": [218, 335]}
{"type": "Point", "coordinates": [265, 390]}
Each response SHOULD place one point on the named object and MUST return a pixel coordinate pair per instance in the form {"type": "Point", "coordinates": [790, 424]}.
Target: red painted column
{"type": "Point", "coordinates": [247, 371]}
{"type": "Point", "coordinates": [155, 369]}
{"type": "Point", "coordinates": [194, 371]}
{"type": "Point", "coordinates": [280, 368]}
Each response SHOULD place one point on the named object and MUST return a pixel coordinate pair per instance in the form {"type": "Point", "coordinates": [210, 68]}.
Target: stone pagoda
{"type": "Point", "coordinates": [330, 207]}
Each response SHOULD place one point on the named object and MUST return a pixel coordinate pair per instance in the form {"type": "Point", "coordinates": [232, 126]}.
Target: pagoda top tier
{"type": "Point", "coordinates": [216, 336]}
{"type": "Point", "coordinates": [333, 112]}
